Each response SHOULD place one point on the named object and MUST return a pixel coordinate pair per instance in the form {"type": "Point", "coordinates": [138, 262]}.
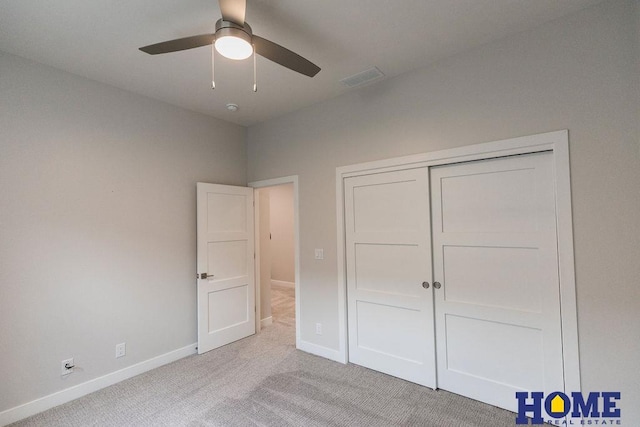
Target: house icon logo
{"type": "Point", "coordinates": [557, 405]}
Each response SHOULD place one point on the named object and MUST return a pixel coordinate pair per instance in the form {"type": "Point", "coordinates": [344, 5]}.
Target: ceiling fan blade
{"type": "Point", "coordinates": [284, 57]}
{"type": "Point", "coordinates": [179, 44]}
{"type": "Point", "coordinates": [233, 10]}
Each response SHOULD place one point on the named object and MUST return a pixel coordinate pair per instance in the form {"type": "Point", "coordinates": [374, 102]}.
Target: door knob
{"type": "Point", "coordinates": [437, 285]}
{"type": "Point", "coordinates": [206, 276]}
{"type": "Point", "coordinates": [425, 285]}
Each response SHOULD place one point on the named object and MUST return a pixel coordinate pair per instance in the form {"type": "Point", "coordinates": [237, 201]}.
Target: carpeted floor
{"type": "Point", "coordinates": [264, 381]}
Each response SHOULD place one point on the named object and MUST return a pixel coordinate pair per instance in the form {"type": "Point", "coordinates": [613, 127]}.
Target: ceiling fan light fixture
{"type": "Point", "coordinates": [233, 43]}
{"type": "Point", "coordinates": [233, 38]}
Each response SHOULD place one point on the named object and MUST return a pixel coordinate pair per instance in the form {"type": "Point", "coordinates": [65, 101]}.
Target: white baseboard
{"type": "Point", "coordinates": [266, 321]}
{"type": "Point", "coordinates": [63, 396]}
{"type": "Point", "coordinates": [282, 283]}
{"type": "Point", "coordinates": [319, 350]}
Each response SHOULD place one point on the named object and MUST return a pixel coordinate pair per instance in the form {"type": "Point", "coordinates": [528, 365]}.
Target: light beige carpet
{"type": "Point", "coordinates": [264, 381]}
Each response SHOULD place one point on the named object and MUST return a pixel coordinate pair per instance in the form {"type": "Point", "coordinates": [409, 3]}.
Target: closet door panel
{"type": "Point", "coordinates": [390, 313]}
{"type": "Point", "coordinates": [497, 312]}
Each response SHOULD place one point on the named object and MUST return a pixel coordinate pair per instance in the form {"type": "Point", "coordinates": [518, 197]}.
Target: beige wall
{"type": "Point", "coordinates": [282, 242]}
{"type": "Point", "coordinates": [97, 225]}
{"type": "Point", "coordinates": [579, 73]}
{"type": "Point", "coordinates": [264, 215]}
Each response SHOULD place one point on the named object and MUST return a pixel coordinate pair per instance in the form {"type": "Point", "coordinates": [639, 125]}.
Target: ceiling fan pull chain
{"type": "Point", "coordinates": [213, 74]}
{"type": "Point", "coordinates": [255, 79]}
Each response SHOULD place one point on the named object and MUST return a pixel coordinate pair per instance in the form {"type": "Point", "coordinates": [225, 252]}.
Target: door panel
{"type": "Point", "coordinates": [494, 252]}
{"type": "Point", "coordinates": [488, 201]}
{"type": "Point", "coordinates": [228, 259]}
{"type": "Point", "coordinates": [223, 304]}
{"type": "Point", "coordinates": [511, 272]}
{"type": "Point", "coordinates": [226, 299]}
{"type": "Point", "coordinates": [389, 330]}
{"type": "Point", "coordinates": [473, 342]}
{"type": "Point", "coordinates": [388, 268]}
{"type": "Point", "coordinates": [226, 212]}
{"type": "Point", "coordinates": [390, 314]}
{"type": "Point", "coordinates": [384, 206]}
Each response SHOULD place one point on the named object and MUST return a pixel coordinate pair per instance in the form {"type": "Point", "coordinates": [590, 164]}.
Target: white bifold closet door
{"type": "Point", "coordinates": [390, 314]}
{"type": "Point", "coordinates": [482, 234]}
{"type": "Point", "coordinates": [498, 327]}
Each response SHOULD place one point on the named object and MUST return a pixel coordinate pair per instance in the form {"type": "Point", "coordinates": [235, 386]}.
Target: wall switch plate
{"type": "Point", "coordinates": [64, 370]}
{"type": "Point", "coordinates": [319, 253]}
{"type": "Point", "coordinates": [121, 350]}
{"type": "Point", "coordinates": [318, 328]}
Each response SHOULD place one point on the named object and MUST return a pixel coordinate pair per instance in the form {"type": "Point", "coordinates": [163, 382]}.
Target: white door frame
{"type": "Point", "coordinates": [558, 143]}
{"type": "Point", "coordinates": [293, 179]}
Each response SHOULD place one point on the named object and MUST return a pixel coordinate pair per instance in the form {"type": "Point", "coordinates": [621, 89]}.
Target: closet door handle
{"type": "Point", "coordinates": [437, 285]}
{"type": "Point", "coordinates": [425, 285]}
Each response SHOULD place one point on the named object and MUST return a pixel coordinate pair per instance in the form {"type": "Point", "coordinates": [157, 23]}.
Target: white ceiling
{"type": "Point", "coordinates": [99, 39]}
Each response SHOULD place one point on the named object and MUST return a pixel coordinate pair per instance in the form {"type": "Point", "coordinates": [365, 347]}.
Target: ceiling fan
{"type": "Point", "coordinates": [234, 39]}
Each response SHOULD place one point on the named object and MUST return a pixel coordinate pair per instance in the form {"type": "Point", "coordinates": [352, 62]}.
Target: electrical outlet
{"type": "Point", "coordinates": [318, 328]}
{"type": "Point", "coordinates": [121, 350]}
{"type": "Point", "coordinates": [319, 254]}
{"type": "Point", "coordinates": [66, 367]}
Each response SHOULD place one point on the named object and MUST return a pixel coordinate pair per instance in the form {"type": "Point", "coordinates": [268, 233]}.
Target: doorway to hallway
{"type": "Point", "coordinates": [275, 237]}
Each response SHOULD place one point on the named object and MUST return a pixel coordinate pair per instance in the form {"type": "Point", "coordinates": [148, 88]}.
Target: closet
{"type": "Point", "coordinates": [452, 276]}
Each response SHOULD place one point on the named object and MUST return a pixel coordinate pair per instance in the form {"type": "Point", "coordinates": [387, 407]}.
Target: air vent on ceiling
{"type": "Point", "coordinates": [362, 77]}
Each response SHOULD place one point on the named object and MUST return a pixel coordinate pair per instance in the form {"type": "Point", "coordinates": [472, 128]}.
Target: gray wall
{"type": "Point", "coordinates": [97, 224]}
{"type": "Point", "coordinates": [578, 73]}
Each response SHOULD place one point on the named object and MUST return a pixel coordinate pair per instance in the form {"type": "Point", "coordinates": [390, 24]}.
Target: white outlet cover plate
{"type": "Point", "coordinates": [319, 253]}
{"type": "Point", "coordinates": [64, 371]}
{"type": "Point", "coordinates": [121, 350]}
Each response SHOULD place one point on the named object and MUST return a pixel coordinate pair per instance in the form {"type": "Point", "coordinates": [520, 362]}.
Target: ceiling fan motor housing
{"type": "Point", "coordinates": [228, 28]}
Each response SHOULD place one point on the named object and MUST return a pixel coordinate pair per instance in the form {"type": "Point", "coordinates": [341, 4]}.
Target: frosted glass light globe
{"type": "Point", "coordinates": [233, 47]}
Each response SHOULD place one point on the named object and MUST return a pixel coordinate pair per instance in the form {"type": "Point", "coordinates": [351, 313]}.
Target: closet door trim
{"type": "Point", "coordinates": [556, 142]}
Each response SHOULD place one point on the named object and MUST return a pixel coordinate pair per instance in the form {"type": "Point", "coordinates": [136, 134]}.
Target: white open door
{"type": "Point", "coordinates": [498, 296]}
{"type": "Point", "coordinates": [388, 254]}
{"type": "Point", "coordinates": [226, 290]}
